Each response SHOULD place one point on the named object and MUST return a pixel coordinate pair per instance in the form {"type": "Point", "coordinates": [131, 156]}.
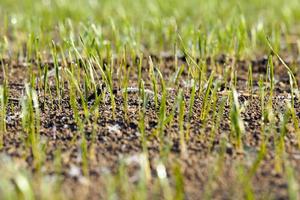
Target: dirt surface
{"type": "Point", "coordinates": [113, 139]}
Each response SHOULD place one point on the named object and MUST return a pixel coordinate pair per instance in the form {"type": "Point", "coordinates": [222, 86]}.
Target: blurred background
{"type": "Point", "coordinates": [232, 26]}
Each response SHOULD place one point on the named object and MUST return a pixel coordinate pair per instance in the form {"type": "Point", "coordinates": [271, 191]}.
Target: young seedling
{"type": "Point", "coordinates": [206, 102]}
{"type": "Point", "coordinates": [145, 176]}
{"type": "Point", "coordinates": [84, 151]}
{"type": "Point", "coordinates": [58, 160]}
{"type": "Point", "coordinates": [108, 82]}
{"type": "Point", "coordinates": [295, 119]}
{"type": "Point", "coordinates": [279, 140]}
{"type": "Point", "coordinates": [217, 120]}
{"type": "Point", "coordinates": [271, 79]}
{"type": "Point", "coordinates": [211, 106]}
{"type": "Point", "coordinates": [181, 107]}
{"type": "Point", "coordinates": [142, 117]}
{"type": "Point", "coordinates": [163, 181]}
{"type": "Point", "coordinates": [125, 92]}
{"type": "Point", "coordinates": [140, 65]}
{"type": "Point", "coordinates": [45, 85]}
{"type": "Point", "coordinates": [15, 182]}
{"type": "Point", "coordinates": [237, 124]}
{"type": "Point", "coordinates": [202, 67]}
{"type": "Point", "coordinates": [293, 185]}
{"type": "Point", "coordinates": [250, 80]}
{"type": "Point", "coordinates": [179, 182]}
{"type": "Point", "coordinates": [31, 123]}
{"type": "Point", "coordinates": [262, 99]}
{"type": "Point", "coordinates": [74, 90]}
{"type": "Point", "coordinates": [245, 182]}
{"type": "Point", "coordinates": [256, 164]}
{"type": "Point", "coordinates": [191, 105]}
{"type": "Point", "coordinates": [57, 75]}
{"type": "Point", "coordinates": [296, 89]}
{"type": "Point", "coordinates": [217, 169]}
{"type": "Point", "coordinates": [153, 81]}
{"type": "Point", "coordinates": [162, 108]}
{"type": "Point", "coordinates": [3, 105]}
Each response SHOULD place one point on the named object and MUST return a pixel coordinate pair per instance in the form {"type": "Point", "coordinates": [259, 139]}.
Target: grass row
{"type": "Point", "coordinates": [237, 28]}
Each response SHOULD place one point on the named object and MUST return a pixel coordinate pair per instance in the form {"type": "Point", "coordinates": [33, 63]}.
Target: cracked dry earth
{"type": "Point", "coordinates": [114, 139]}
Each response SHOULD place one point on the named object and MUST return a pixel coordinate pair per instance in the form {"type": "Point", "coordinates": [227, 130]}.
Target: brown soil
{"type": "Point", "coordinates": [106, 147]}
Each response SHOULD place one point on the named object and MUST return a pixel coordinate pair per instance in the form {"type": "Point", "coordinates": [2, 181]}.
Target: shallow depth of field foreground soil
{"type": "Point", "coordinates": [155, 101]}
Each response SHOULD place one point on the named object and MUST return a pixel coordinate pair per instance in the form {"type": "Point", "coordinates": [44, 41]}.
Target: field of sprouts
{"type": "Point", "coordinates": [162, 99]}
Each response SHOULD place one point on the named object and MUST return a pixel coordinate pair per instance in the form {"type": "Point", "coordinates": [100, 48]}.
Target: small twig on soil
{"type": "Point", "coordinates": [135, 90]}
{"type": "Point", "coordinates": [147, 91]}
{"type": "Point", "coordinates": [129, 90]}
